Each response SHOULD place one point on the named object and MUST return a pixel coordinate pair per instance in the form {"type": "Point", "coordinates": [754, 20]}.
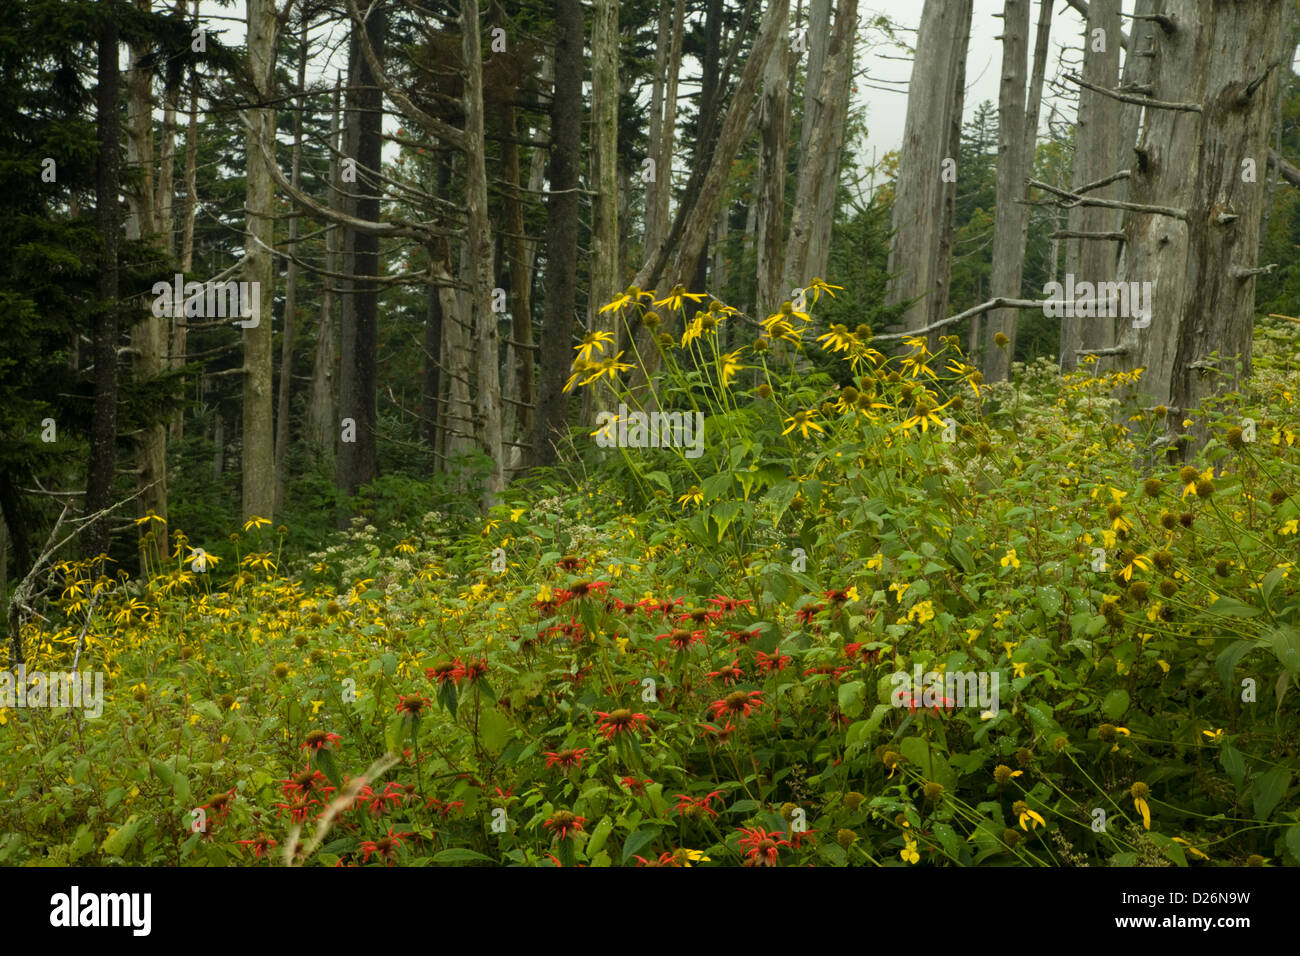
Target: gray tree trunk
{"type": "Point", "coordinates": [1096, 146]}
{"type": "Point", "coordinates": [258, 441]}
{"type": "Point", "coordinates": [1011, 213]}
{"type": "Point", "coordinates": [1221, 55]}
{"type": "Point", "coordinates": [920, 258]}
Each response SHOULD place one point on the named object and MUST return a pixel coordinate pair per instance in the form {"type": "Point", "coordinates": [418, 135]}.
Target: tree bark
{"type": "Point", "coordinates": [1096, 146]}
{"type": "Point", "coordinates": [1203, 293]}
{"type": "Point", "coordinates": [605, 284]}
{"type": "Point", "coordinates": [773, 134]}
{"type": "Point", "coordinates": [322, 418]}
{"type": "Point", "coordinates": [358, 462]}
{"type": "Point", "coordinates": [258, 442]}
{"type": "Point", "coordinates": [1011, 213]}
{"type": "Point", "coordinates": [920, 258]}
{"type": "Point", "coordinates": [149, 333]}
{"type": "Point", "coordinates": [556, 352]}
{"type": "Point", "coordinates": [290, 297]}
{"type": "Point", "coordinates": [102, 467]}
{"type": "Point", "coordinates": [487, 338]}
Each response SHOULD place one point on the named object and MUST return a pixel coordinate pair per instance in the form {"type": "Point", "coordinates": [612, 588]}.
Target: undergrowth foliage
{"type": "Point", "coordinates": [691, 661]}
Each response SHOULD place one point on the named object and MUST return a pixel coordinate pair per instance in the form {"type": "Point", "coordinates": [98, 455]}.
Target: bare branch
{"type": "Point", "coordinates": [1137, 100]}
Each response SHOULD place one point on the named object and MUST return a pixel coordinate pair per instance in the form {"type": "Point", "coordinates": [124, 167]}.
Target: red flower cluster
{"type": "Point", "coordinates": [737, 702]}
{"type": "Point", "coordinates": [620, 721]}
{"type": "Point", "coordinates": [385, 846]}
{"type": "Point", "coordinates": [769, 663]}
{"type": "Point", "coordinates": [763, 847]}
{"type": "Point", "coordinates": [565, 758]}
{"type": "Point", "coordinates": [319, 739]}
{"type": "Point", "coordinates": [697, 807]}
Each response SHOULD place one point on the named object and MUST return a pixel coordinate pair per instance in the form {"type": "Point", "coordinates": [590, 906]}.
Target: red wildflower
{"type": "Point", "coordinates": [729, 674]}
{"type": "Point", "coordinates": [219, 806]}
{"type": "Point", "coordinates": [728, 604]}
{"type": "Point", "coordinates": [444, 810]}
{"type": "Point", "coordinates": [475, 670]}
{"type": "Point", "coordinates": [697, 807]}
{"type": "Point", "coordinates": [860, 649]}
{"type": "Point", "coordinates": [637, 786]}
{"type": "Point", "coordinates": [667, 858]}
{"type": "Point", "coordinates": [764, 847]}
{"type": "Point", "coordinates": [259, 845]}
{"type": "Point", "coordinates": [768, 663]}
{"type": "Point", "coordinates": [306, 783]}
{"type": "Point", "coordinates": [681, 639]}
{"type": "Point", "coordinates": [737, 702]}
{"type": "Point", "coordinates": [318, 739]}
{"type": "Point", "coordinates": [806, 614]}
{"type": "Point", "coordinates": [742, 637]}
{"type": "Point", "coordinates": [562, 822]}
{"type": "Point", "coordinates": [411, 704]}
{"type": "Point", "coordinates": [565, 758]}
{"type": "Point", "coordinates": [385, 846]}
{"type": "Point", "coordinates": [621, 720]}
{"type": "Point", "coordinates": [446, 671]}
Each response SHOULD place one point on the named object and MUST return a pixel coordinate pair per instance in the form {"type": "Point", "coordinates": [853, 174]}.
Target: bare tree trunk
{"type": "Point", "coordinates": [556, 351]}
{"type": "Point", "coordinates": [1219, 55]}
{"type": "Point", "coordinates": [819, 167]}
{"type": "Point", "coordinates": [258, 443]}
{"type": "Point", "coordinates": [148, 334]}
{"type": "Point", "coordinates": [926, 192]}
{"type": "Point", "coordinates": [486, 338]}
{"type": "Point", "coordinates": [102, 467]}
{"type": "Point", "coordinates": [188, 211]}
{"type": "Point", "coordinates": [605, 283]}
{"type": "Point", "coordinates": [358, 460]}
{"type": "Point", "coordinates": [1096, 145]}
{"type": "Point", "coordinates": [322, 418]}
{"type": "Point", "coordinates": [773, 133]}
{"type": "Point", "coordinates": [1013, 164]}
{"type": "Point", "coordinates": [653, 228]}
{"type": "Point", "coordinates": [819, 239]}
{"type": "Point", "coordinates": [290, 297]}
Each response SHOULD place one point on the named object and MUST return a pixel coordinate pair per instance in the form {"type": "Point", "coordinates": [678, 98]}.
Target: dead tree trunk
{"type": "Point", "coordinates": [1096, 145]}
{"type": "Point", "coordinates": [920, 258]}
{"type": "Point", "coordinates": [1011, 213]}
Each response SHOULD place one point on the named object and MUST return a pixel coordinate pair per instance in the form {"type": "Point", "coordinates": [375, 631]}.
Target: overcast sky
{"type": "Point", "coordinates": [883, 70]}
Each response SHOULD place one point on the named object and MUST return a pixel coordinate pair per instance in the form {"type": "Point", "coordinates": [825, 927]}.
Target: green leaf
{"type": "Point", "coordinates": [116, 842]}
{"type": "Point", "coordinates": [1286, 645]}
{"type": "Point", "coordinates": [458, 854]}
{"type": "Point", "coordinates": [324, 759]}
{"type": "Point", "coordinates": [1293, 841]}
{"type": "Point", "coordinates": [850, 697]}
{"type": "Point", "coordinates": [1269, 584]}
{"type": "Point", "coordinates": [493, 730]}
{"type": "Point", "coordinates": [599, 835]}
{"type": "Point", "coordinates": [963, 556]}
{"type": "Point", "coordinates": [1230, 607]}
{"type": "Point", "coordinates": [1233, 763]}
{"type": "Point", "coordinates": [660, 479]}
{"type": "Point", "coordinates": [1225, 665]}
{"type": "Point", "coordinates": [208, 709]}
{"type": "Point", "coordinates": [1116, 704]}
{"type": "Point", "coordinates": [1269, 790]}
{"type": "Point", "coordinates": [162, 772]}
{"type": "Point", "coordinates": [948, 837]}
{"type": "Point", "coordinates": [638, 841]}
